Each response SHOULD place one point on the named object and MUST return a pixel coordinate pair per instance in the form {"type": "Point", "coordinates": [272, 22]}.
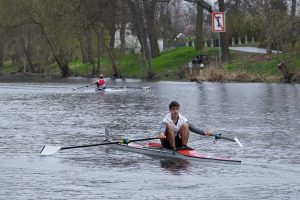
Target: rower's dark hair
{"type": "Point", "coordinates": [174, 104]}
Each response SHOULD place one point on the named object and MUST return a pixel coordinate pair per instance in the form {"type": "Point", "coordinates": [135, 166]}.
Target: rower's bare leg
{"type": "Point", "coordinates": [170, 135]}
{"type": "Point", "coordinates": [185, 133]}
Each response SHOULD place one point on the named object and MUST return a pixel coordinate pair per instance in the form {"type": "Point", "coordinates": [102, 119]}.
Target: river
{"type": "Point", "coordinates": [265, 118]}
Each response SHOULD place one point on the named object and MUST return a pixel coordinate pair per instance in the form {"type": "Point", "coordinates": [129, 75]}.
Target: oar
{"type": "Point", "coordinates": [84, 86]}
{"type": "Point", "coordinates": [49, 150]}
{"type": "Point", "coordinates": [81, 87]}
{"type": "Point", "coordinates": [141, 88]}
{"type": "Point", "coordinates": [235, 139]}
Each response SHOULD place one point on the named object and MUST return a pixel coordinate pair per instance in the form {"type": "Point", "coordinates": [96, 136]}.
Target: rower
{"type": "Point", "coordinates": [174, 129]}
{"type": "Point", "coordinates": [101, 83]}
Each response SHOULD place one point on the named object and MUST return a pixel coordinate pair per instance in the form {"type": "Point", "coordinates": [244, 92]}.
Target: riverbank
{"type": "Point", "coordinates": [173, 65]}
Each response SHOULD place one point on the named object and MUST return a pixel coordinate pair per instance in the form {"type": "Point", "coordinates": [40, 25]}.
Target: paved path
{"type": "Point", "coordinates": [252, 50]}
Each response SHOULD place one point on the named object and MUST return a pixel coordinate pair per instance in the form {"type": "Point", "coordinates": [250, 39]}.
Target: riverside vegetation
{"type": "Point", "coordinates": [172, 64]}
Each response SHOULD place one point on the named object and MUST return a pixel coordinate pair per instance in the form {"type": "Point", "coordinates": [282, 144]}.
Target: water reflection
{"type": "Point", "coordinates": [175, 166]}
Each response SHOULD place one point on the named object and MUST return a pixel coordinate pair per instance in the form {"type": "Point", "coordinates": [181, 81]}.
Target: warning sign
{"type": "Point", "coordinates": [218, 22]}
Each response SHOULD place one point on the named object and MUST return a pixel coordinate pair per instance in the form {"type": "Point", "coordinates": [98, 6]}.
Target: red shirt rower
{"type": "Point", "coordinates": [101, 83]}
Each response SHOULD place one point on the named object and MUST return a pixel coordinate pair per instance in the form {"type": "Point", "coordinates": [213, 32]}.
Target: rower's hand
{"type": "Point", "coordinates": [208, 133]}
{"type": "Point", "coordinates": [161, 136]}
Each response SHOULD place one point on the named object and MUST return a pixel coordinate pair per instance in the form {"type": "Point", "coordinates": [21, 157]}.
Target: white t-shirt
{"type": "Point", "coordinates": [177, 126]}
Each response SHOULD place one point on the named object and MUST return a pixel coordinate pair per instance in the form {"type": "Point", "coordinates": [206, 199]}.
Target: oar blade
{"type": "Point", "coordinates": [49, 150]}
{"type": "Point", "coordinates": [238, 142]}
{"type": "Point", "coordinates": [146, 88]}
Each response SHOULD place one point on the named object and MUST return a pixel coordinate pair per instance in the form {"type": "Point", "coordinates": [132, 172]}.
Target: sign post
{"type": "Point", "coordinates": [218, 25]}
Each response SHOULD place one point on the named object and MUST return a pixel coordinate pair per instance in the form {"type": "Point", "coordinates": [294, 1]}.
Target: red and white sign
{"type": "Point", "coordinates": [218, 22]}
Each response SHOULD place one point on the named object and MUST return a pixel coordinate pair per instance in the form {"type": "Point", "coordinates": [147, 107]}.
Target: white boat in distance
{"type": "Point", "coordinates": [121, 89]}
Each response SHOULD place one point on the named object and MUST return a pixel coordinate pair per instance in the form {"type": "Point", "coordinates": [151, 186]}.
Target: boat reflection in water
{"type": "Point", "coordinates": [175, 166]}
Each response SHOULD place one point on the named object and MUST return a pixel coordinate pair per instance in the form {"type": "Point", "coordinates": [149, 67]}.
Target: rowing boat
{"type": "Point", "coordinates": [111, 90]}
{"type": "Point", "coordinates": [120, 89]}
{"type": "Point", "coordinates": [152, 148]}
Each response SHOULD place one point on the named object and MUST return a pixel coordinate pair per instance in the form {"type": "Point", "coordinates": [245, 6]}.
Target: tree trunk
{"type": "Point", "coordinates": [112, 24]}
{"type": "Point", "coordinates": [224, 39]}
{"type": "Point", "coordinates": [123, 28]}
{"type": "Point", "coordinates": [149, 13]}
{"type": "Point", "coordinates": [146, 50]}
{"type": "Point", "coordinates": [293, 33]}
{"type": "Point", "coordinates": [287, 76]}
{"type": "Point", "coordinates": [98, 33]}
{"type": "Point", "coordinates": [1, 50]}
{"type": "Point", "coordinates": [27, 52]}
{"type": "Point", "coordinates": [112, 33]}
{"type": "Point", "coordinates": [98, 52]}
{"type": "Point", "coordinates": [199, 28]}
{"type": "Point", "coordinates": [115, 68]}
{"type": "Point", "coordinates": [82, 44]}
{"type": "Point", "coordinates": [138, 19]}
{"type": "Point", "coordinates": [90, 50]}
{"type": "Point", "coordinates": [59, 58]}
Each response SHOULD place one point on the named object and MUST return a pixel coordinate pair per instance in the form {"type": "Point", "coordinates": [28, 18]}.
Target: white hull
{"type": "Point", "coordinates": [181, 154]}
{"type": "Point", "coordinates": [111, 90]}
{"type": "Point", "coordinates": [121, 89]}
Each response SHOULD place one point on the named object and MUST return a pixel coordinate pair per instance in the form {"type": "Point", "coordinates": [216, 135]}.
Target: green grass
{"type": "Point", "coordinates": [168, 64]}
{"type": "Point", "coordinates": [85, 69]}
{"type": "Point", "coordinates": [171, 64]}
{"type": "Point", "coordinates": [8, 68]}
{"type": "Point", "coordinates": [131, 65]}
{"type": "Point", "coordinates": [265, 65]}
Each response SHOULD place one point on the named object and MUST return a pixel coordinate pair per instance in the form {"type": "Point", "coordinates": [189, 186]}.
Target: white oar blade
{"type": "Point", "coordinates": [49, 150]}
{"type": "Point", "coordinates": [238, 142]}
{"type": "Point", "coordinates": [146, 88]}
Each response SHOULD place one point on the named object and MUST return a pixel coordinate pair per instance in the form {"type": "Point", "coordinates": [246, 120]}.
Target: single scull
{"type": "Point", "coordinates": [121, 89]}
{"type": "Point", "coordinates": [152, 148]}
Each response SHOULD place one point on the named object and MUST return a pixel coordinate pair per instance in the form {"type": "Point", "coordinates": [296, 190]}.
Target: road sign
{"type": "Point", "coordinates": [218, 22]}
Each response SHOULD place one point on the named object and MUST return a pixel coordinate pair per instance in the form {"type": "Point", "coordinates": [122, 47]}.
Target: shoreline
{"type": "Point", "coordinates": [174, 65]}
{"type": "Point", "coordinates": [205, 77]}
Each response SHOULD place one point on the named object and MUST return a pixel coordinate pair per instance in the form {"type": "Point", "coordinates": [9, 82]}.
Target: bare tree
{"type": "Point", "coordinates": [293, 32]}
{"type": "Point", "coordinates": [138, 21]}
{"type": "Point", "coordinates": [199, 27]}
{"type": "Point", "coordinates": [223, 38]}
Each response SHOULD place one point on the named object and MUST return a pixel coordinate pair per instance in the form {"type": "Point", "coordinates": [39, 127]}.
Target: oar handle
{"type": "Point", "coordinates": [218, 136]}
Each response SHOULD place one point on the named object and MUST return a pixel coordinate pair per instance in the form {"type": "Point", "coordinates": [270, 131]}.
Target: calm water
{"type": "Point", "coordinates": [265, 117]}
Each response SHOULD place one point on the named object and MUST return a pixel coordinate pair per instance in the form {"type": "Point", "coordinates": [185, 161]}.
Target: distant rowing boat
{"type": "Point", "coordinates": [152, 148]}
{"type": "Point", "coordinates": [121, 89]}
{"type": "Point", "coordinates": [111, 90]}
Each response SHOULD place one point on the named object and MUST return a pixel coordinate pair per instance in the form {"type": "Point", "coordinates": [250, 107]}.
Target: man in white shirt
{"type": "Point", "coordinates": [174, 129]}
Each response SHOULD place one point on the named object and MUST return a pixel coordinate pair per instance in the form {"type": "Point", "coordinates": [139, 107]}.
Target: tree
{"type": "Point", "coordinates": [138, 23]}
{"type": "Point", "coordinates": [123, 22]}
{"type": "Point", "coordinates": [199, 27]}
{"type": "Point", "coordinates": [223, 37]}
{"type": "Point", "coordinates": [293, 32]}
{"type": "Point", "coordinates": [149, 9]}
{"type": "Point", "coordinates": [55, 25]}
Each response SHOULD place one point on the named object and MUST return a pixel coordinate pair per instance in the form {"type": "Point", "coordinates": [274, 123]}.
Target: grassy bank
{"type": "Point", "coordinates": [172, 65]}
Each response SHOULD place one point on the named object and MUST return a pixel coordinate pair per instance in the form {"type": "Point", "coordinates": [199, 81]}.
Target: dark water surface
{"type": "Point", "coordinates": [265, 117]}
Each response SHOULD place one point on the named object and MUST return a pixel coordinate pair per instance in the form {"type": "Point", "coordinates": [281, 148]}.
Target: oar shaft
{"type": "Point", "coordinates": [145, 139]}
{"type": "Point", "coordinates": [89, 145]}
{"type": "Point", "coordinates": [107, 143]}
{"type": "Point", "coordinates": [229, 139]}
